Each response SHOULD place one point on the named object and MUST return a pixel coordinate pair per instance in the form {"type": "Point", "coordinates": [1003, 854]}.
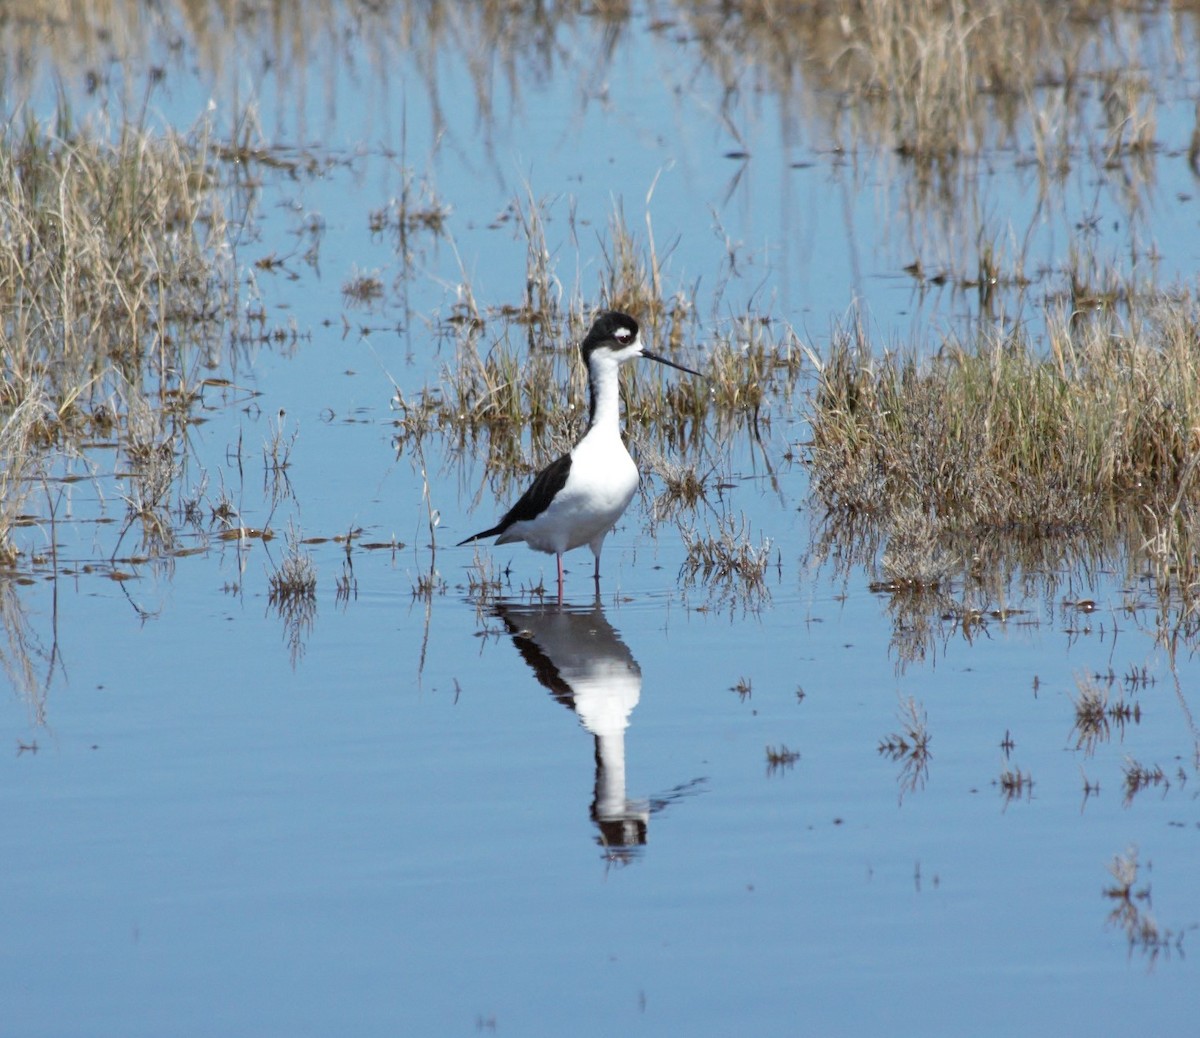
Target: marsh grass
{"type": "Point", "coordinates": [936, 83]}
{"type": "Point", "coordinates": [514, 393]}
{"type": "Point", "coordinates": [113, 288]}
{"type": "Point", "coordinates": [936, 80]}
{"type": "Point", "coordinates": [684, 486]}
{"type": "Point", "coordinates": [727, 561]}
{"type": "Point", "coordinates": [1100, 432]}
{"type": "Point", "coordinates": [633, 279]}
{"type": "Point", "coordinates": [915, 558]}
{"type": "Point", "coordinates": [295, 580]}
{"type": "Point", "coordinates": [543, 289]}
{"type": "Point", "coordinates": [925, 77]}
{"type": "Point", "coordinates": [21, 458]}
{"type": "Point", "coordinates": [517, 406]}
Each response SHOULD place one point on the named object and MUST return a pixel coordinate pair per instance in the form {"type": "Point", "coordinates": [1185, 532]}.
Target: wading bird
{"type": "Point", "coordinates": [577, 499]}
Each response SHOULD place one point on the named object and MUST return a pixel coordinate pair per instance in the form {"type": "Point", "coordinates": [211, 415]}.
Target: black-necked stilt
{"type": "Point", "coordinates": [577, 499]}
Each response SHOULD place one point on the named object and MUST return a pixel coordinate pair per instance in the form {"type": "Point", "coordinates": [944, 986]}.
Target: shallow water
{"type": "Point", "coordinates": [447, 813]}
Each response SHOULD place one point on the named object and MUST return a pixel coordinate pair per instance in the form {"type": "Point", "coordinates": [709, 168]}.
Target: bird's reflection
{"type": "Point", "coordinates": [577, 654]}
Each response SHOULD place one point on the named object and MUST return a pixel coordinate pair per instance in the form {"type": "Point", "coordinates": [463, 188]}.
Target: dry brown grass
{"type": "Point", "coordinates": [995, 435]}
{"type": "Point", "coordinates": [113, 287]}
{"type": "Point", "coordinates": [934, 80]}
{"type": "Point", "coordinates": [957, 473]}
{"type": "Point", "coordinates": [727, 562]}
{"type": "Point", "coordinates": [515, 393]}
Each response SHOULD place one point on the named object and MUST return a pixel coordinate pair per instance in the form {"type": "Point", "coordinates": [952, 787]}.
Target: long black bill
{"type": "Point", "coordinates": [669, 363]}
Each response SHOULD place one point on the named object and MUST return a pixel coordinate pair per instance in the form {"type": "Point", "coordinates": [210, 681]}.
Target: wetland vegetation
{"type": "Point", "coordinates": [968, 464]}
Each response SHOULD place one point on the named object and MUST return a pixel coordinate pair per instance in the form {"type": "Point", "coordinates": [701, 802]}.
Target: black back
{"type": "Point", "coordinates": [541, 492]}
{"type": "Point", "coordinates": [534, 501]}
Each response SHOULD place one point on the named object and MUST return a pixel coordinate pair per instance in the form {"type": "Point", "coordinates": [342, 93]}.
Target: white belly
{"type": "Point", "coordinates": [602, 482]}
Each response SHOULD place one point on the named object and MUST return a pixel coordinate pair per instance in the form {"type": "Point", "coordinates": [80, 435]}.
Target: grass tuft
{"type": "Point", "coordinates": [781, 758]}
{"type": "Point", "coordinates": [296, 578]}
{"type": "Point", "coordinates": [1131, 911]}
{"type": "Point", "coordinates": [114, 286]}
{"type": "Point", "coordinates": [994, 438]}
{"type": "Point", "coordinates": [727, 560]}
{"type": "Point", "coordinates": [910, 746]}
{"type": "Point", "coordinates": [292, 593]}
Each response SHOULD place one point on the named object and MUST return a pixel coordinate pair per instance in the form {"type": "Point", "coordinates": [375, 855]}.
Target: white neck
{"type": "Point", "coordinates": [605, 388]}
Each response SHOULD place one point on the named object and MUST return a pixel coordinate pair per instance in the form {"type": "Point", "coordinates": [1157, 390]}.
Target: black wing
{"type": "Point", "coordinates": [534, 501]}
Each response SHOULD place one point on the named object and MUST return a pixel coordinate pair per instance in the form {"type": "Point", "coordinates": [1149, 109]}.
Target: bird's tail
{"type": "Point", "coordinates": [482, 533]}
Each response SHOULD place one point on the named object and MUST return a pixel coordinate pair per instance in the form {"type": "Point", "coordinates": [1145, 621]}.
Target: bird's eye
{"type": "Point", "coordinates": [622, 335]}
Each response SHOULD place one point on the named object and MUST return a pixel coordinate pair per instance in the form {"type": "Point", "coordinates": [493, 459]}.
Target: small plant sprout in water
{"type": "Point", "coordinates": [346, 585]}
{"type": "Point", "coordinates": [1091, 716]}
{"type": "Point", "coordinates": [296, 577]}
{"type": "Point", "coordinates": [1139, 777]}
{"type": "Point", "coordinates": [483, 579]}
{"type": "Point", "coordinates": [909, 746]}
{"type": "Point", "coordinates": [362, 290]}
{"type": "Point", "coordinates": [429, 583]}
{"type": "Point", "coordinates": [418, 209]}
{"type": "Point", "coordinates": [1131, 914]}
{"type": "Point", "coordinates": [153, 470]}
{"type": "Point", "coordinates": [223, 512]}
{"type": "Point", "coordinates": [742, 688]}
{"type": "Point", "coordinates": [277, 456]}
{"type": "Point", "coordinates": [780, 758]}
{"type": "Point", "coordinates": [293, 594]}
{"type": "Point", "coordinates": [1095, 715]}
{"type": "Point", "coordinates": [1014, 784]}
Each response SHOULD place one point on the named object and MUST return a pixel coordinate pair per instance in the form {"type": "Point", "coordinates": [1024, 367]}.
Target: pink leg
{"type": "Point", "coordinates": [560, 578]}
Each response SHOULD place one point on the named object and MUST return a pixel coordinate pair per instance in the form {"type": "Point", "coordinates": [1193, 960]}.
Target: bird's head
{"type": "Point", "coordinates": [614, 336]}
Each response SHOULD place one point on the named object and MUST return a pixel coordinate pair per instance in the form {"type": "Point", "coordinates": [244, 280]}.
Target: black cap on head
{"type": "Point", "coordinates": [609, 326]}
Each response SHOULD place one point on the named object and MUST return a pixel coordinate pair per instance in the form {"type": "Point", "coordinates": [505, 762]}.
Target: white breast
{"type": "Point", "coordinates": [602, 482]}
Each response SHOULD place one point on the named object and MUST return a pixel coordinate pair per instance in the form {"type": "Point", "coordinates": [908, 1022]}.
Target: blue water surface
{"type": "Point", "coordinates": [664, 809]}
